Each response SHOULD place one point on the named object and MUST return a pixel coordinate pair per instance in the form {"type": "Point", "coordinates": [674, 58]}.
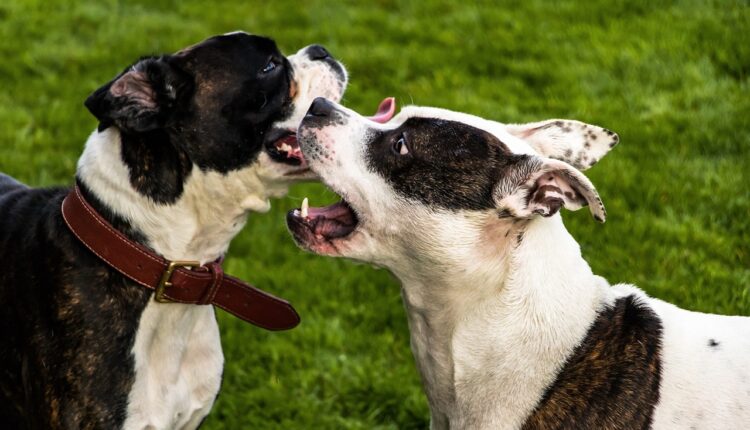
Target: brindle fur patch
{"type": "Point", "coordinates": [611, 381]}
{"type": "Point", "coordinates": [72, 322]}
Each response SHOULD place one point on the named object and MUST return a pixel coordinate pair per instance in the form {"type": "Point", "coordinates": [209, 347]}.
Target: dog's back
{"type": "Point", "coordinates": [8, 184]}
{"type": "Point", "coordinates": [66, 321]}
{"type": "Point", "coordinates": [705, 374]}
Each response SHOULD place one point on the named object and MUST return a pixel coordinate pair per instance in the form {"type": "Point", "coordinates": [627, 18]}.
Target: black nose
{"type": "Point", "coordinates": [320, 107]}
{"type": "Point", "coordinates": [317, 52]}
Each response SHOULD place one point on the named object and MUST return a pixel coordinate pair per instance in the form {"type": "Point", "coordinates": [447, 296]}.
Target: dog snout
{"type": "Point", "coordinates": [320, 108]}
{"type": "Point", "coordinates": [317, 52]}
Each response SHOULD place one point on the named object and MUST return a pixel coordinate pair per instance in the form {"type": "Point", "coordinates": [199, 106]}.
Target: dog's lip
{"type": "Point", "coordinates": [299, 172]}
{"type": "Point", "coordinates": [318, 227]}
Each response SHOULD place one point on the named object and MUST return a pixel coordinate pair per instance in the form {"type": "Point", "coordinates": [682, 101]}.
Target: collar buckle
{"type": "Point", "coordinates": [167, 276]}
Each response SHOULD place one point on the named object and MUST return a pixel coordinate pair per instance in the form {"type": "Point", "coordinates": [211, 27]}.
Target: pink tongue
{"type": "Point", "coordinates": [337, 210]}
{"type": "Point", "coordinates": [385, 111]}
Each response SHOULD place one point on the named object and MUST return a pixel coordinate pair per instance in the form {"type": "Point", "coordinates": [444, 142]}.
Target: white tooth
{"type": "Point", "coordinates": [305, 205]}
{"type": "Point", "coordinates": [286, 148]}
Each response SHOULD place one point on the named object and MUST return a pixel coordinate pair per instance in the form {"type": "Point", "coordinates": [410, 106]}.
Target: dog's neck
{"type": "Point", "coordinates": [199, 225]}
{"type": "Point", "coordinates": [490, 331]}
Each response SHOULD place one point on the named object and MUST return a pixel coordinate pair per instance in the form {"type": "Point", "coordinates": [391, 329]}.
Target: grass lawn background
{"type": "Point", "coordinates": [671, 79]}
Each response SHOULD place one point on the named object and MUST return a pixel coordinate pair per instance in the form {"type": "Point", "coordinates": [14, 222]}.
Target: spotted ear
{"type": "Point", "coordinates": [141, 98]}
{"type": "Point", "coordinates": [578, 144]}
{"type": "Point", "coordinates": [540, 186]}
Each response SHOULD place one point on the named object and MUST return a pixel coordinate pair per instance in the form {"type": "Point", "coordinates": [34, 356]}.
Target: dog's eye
{"type": "Point", "coordinates": [399, 146]}
{"type": "Point", "coordinates": [269, 67]}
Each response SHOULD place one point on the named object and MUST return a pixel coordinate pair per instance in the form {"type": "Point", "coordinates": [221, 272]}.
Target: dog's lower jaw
{"type": "Point", "coordinates": [476, 334]}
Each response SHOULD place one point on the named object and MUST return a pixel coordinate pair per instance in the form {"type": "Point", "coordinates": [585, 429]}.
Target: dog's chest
{"type": "Point", "coordinates": [178, 367]}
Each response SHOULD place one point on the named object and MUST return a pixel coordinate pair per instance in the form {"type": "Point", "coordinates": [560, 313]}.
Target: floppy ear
{"type": "Point", "coordinates": [574, 142]}
{"type": "Point", "coordinates": [539, 186]}
{"type": "Point", "coordinates": [141, 98]}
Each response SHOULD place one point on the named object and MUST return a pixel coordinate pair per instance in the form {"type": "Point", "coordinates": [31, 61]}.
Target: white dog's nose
{"type": "Point", "coordinates": [321, 107]}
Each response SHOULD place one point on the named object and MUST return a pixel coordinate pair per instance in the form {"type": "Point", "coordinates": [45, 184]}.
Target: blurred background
{"type": "Point", "coordinates": [671, 77]}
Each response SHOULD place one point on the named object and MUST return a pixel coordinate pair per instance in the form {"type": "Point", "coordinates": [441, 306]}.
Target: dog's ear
{"type": "Point", "coordinates": [541, 186]}
{"type": "Point", "coordinates": [141, 98]}
{"type": "Point", "coordinates": [578, 144]}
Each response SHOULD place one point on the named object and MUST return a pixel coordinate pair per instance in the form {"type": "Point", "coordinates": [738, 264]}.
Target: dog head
{"type": "Point", "coordinates": [431, 182]}
{"type": "Point", "coordinates": [227, 107]}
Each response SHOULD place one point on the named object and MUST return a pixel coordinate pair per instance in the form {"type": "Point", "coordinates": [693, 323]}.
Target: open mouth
{"type": "Point", "coordinates": [318, 229]}
{"type": "Point", "coordinates": [282, 147]}
{"type": "Point", "coordinates": [322, 229]}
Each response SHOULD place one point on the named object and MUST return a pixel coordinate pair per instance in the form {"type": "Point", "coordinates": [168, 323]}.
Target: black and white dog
{"type": "Point", "coordinates": [187, 145]}
{"type": "Point", "coordinates": [509, 326]}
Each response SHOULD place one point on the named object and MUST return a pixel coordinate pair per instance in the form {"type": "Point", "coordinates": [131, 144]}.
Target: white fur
{"type": "Point", "coordinates": [177, 350]}
{"type": "Point", "coordinates": [491, 320]}
{"type": "Point", "coordinates": [703, 387]}
{"type": "Point", "coordinates": [582, 145]}
{"type": "Point", "coordinates": [314, 79]}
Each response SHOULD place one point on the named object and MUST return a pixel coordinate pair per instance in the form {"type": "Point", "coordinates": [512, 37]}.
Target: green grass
{"type": "Point", "coordinates": [671, 79]}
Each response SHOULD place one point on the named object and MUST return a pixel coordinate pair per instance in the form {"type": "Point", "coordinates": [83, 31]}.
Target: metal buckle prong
{"type": "Point", "coordinates": [165, 278]}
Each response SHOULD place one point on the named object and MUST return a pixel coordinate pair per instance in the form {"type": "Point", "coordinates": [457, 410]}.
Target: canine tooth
{"type": "Point", "coordinates": [286, 148]}
{"type": "Point", "coordinates": [305, 205]}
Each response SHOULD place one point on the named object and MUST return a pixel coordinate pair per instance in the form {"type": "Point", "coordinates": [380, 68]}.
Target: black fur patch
{"type": "Point", "coordinates": [157, 168]}
{"type": "Point", "coordinates": [611, 381]}
{"type": "Point", "coordinates": [450, 164]}
{"type": "Point", "coordinates": [210, 105]}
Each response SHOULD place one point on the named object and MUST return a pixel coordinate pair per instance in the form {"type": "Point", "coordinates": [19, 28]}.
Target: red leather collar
{"type": "Point", "coordinates": [201, 285]}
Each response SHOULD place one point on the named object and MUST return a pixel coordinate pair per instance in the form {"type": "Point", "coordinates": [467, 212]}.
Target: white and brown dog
{"type": "Point", "coordinates": [187, 145]}
{"type": "Point", "coordinates": [509, 326]}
